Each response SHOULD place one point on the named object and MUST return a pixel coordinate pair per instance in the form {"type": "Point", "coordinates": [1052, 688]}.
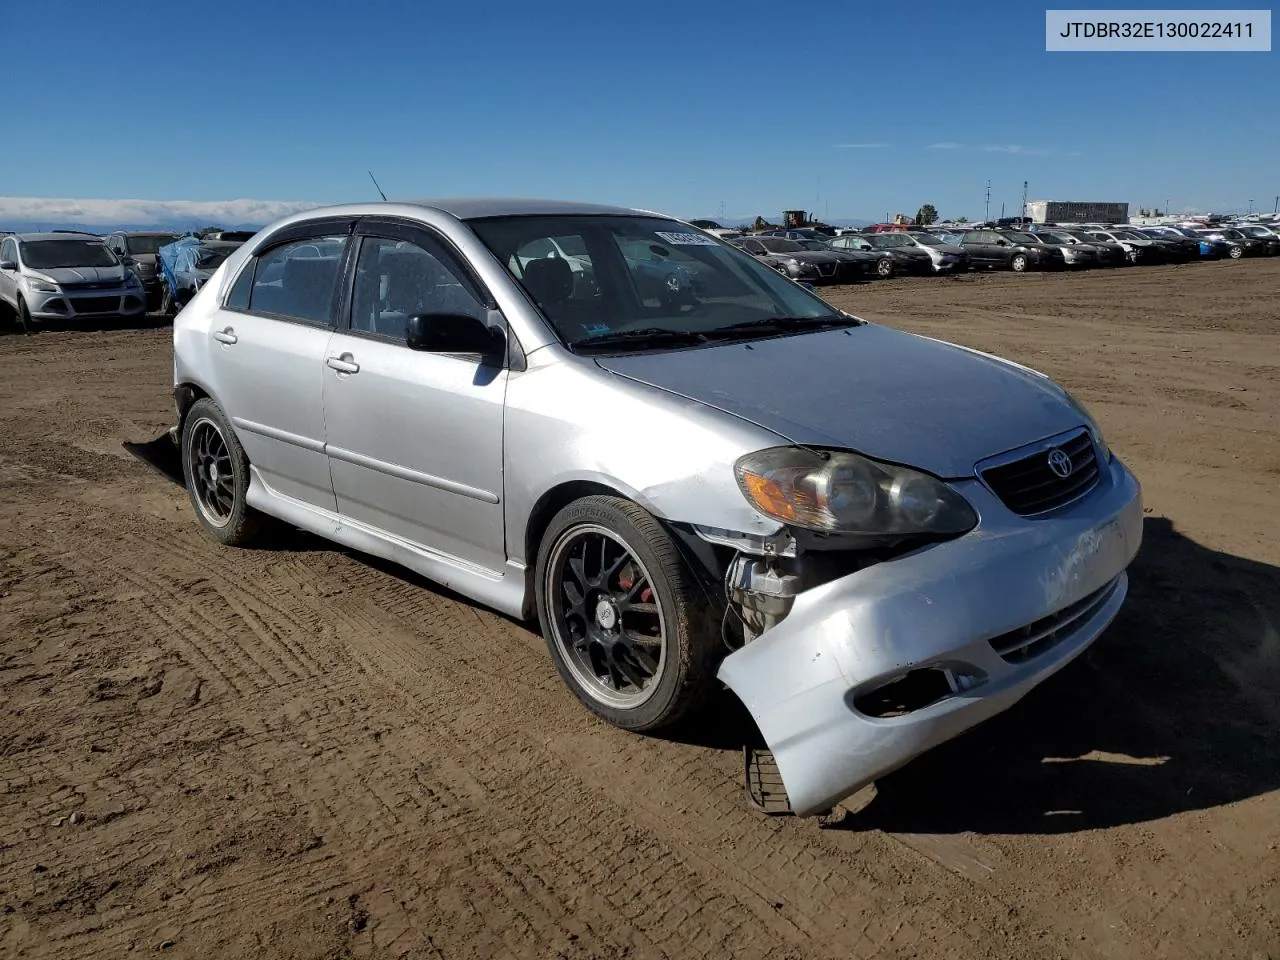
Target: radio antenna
{"type": "Point", "coordinates": [376, 187]}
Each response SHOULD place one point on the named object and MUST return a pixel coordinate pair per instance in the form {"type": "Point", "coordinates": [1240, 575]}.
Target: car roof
{"type": "Point", "coordinates": [473, 208]}
{"type": "Point", "coordinates": [145, 233]}
{"type": "Point", "coordinates": [65, 235]}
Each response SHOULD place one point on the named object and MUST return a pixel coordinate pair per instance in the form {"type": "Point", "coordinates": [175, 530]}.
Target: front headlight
{"type": "Point", "coordinates": [40, 285]}
{"type": "Point", "coordinates": [131, 279]}
{"type": "Point", "coordinates": [841, 492]}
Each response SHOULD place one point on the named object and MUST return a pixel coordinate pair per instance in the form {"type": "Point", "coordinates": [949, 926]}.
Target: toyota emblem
{"type": "Point", "coordinates": [1060, 463]}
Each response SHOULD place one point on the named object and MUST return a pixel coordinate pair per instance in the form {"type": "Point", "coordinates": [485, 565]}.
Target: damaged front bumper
{"type": "Point", "coordinates": [868, 671]}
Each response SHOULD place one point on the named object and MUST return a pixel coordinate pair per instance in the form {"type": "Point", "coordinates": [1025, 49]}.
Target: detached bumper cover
{"type": "Point", "coordinates": [948, 606]}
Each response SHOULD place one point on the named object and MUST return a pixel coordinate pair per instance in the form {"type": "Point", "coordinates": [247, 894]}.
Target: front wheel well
{"type": "Point", "coordinates": [548, 505]}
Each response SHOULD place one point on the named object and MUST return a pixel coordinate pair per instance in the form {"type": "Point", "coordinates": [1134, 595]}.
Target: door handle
{"type": "Point", "coordinates": [225, 336]}
{"type": "Point", "coordinates": [343, 364]}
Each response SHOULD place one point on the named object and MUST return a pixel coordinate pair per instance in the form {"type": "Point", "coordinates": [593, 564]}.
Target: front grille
{"type": "Point", "coordinates": [826, 269]}
{"type": "Point", "coordinates": [1029, 486]}
{"type": "Point", "coordinates": [92, 285]}
{"type": "Point", "coordinates": [1029, 642]}
{"type": "Point", "coordinates": [96, 304]}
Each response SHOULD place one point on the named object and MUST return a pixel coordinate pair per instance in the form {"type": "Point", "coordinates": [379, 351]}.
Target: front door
{"type": "Point", "coordinates": [269, 342]}
{"type": "Point", "coordinates": [415, 439]}
{"type": "Point", "coordinates": [9, 278]}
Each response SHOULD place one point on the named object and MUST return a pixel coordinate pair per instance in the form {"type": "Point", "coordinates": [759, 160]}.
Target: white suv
{"type": "Point", "coordinates": [58, 276]}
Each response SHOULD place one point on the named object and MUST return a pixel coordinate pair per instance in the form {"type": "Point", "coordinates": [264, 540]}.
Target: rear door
{"type": "Point", "coordinates": [270, 340]}
{"type": "Point", "coordinates": [415, 439]}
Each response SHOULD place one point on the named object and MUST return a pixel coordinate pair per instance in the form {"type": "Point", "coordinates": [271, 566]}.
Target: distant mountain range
{"type": "Point", "coordinates": [173, 226]}
{"type": "Point", "coordinates": [748, 221]}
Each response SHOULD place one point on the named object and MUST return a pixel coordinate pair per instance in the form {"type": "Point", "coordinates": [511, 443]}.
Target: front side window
{"type": "Point", "coordinates": [623, 274]}
{"type": "Point", "coordinates": [8, 251]}
{"type": "Point", "coordinates": [56, 254]}
{"type": "Point", "coordinates": [144, 246]}
{"type": "Point", "coordinates": [887, 241]}
{"type": "Point", "coordinates": [396, 279]}
{"type": "Point", "coordinates": [296, 280]}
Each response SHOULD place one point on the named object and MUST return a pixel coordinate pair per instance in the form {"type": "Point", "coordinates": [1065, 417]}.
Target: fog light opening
{"type": "Point", "coordinates": [907, 693]}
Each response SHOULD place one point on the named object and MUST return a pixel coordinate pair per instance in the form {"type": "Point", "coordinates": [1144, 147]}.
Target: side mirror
{"type": "Point", "coordinates": [1002, 243]}
{"type": "Point", "coordinates": [451, 333]}
{"type": "Point", "coordinates": [8, 266]}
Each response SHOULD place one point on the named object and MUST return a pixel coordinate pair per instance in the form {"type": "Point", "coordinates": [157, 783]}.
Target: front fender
{"type": "Point", "coordinates": [568, 420]}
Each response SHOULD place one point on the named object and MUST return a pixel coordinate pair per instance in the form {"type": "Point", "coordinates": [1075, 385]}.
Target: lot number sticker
{"type": "Point", "coordinates": [689, 239]}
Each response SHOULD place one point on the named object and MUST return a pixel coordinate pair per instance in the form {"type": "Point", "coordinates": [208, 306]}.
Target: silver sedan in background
{"type": "Point", "coordinates": [691, 471]}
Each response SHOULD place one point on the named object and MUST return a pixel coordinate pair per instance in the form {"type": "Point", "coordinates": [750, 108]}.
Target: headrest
{"type": "Point", "coordinates": [548, 280]}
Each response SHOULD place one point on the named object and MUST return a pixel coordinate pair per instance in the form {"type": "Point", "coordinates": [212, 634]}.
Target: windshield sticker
{"type": "Point", "coordinates": [595, 329]}
{"type": "Point", "coordinates": [689, 239]}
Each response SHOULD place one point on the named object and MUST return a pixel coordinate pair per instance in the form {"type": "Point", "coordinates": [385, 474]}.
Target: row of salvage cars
{"type": "Point", "coordinates": [809, 255]}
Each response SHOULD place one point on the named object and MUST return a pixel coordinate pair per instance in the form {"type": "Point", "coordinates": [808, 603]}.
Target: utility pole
{"type": "Point", "coordinates": [986, 211]}
{"type": "Point", "coordinates": [1276, 207]}
{"type": "Point", "coordinates": [1024, 199]}
{"type": "Point", "coordinates": [1251, 207]}
{"type": "Point", "coordinates": [1001, 209]}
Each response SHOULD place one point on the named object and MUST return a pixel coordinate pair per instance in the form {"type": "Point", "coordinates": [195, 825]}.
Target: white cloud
{"type": "Point", "coordinates": [860, 146]}
{"type": "Point", "coordinates": [946, 145]}
{"type": "Point", "coordinates": [145, 212]}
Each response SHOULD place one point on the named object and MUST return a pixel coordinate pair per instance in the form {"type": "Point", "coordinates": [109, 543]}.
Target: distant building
{"type": "Point", "coordinates": [1077, 211]}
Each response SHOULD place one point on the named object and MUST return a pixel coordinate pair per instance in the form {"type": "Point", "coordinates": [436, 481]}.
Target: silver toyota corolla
{"type": "Point", "coordinates": [690, 469]}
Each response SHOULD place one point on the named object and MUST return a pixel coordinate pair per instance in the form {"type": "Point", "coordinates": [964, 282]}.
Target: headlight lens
{"type": "Point", "coordinates": [131, 279]}
{"type": "Point", "coordinates": [847, 493]}
{"type": "Point", "coordinates": [40, 285]}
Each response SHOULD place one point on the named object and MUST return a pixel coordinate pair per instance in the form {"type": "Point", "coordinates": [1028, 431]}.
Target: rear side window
{"type": "Point", "coordinates": [297, 280]}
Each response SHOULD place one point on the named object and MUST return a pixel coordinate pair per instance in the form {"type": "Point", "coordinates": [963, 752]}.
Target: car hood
{"type": "Point", "coordinates": [890, 395]}
{"type": "Point", "coordinates": [84, 274]}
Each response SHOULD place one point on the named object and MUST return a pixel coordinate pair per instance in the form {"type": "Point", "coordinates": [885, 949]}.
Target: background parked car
{"type": "Point", "coordinates": [1077, 255]}
{"type": "Point", "coordinates": [910, 256]}
{"type": "Point", "coordinates": [886, 264]}
{"type": "Point", "coordinates": [947, 257]}
{"type": "Point", "coordinates": [1269, 238]}
{"type": "Point", "coordinates": [1104, 254]}
{"type": "Point", "coordinates": [186, 265]}
{"type": "Point", "coordinates": [1239, 245]}
{"type": "Point", "coordinates": [1119, 254]}
{"type": "Point", "coordinates": [1138, 249]}
{"type": "Point", "coordinates": [137, 250]}
{"type": "Point", "coordinates": [868, 261]}
{"type": "Point", "coordinates": [790, 258]}
{"type": "Point", "coordinates": [57, 276]}
{"type": "Point", "coordinates": [995, 249]}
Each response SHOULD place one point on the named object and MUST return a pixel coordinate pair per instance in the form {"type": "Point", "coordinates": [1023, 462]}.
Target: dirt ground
{"type": "Point", "coordinates": [297, 752]}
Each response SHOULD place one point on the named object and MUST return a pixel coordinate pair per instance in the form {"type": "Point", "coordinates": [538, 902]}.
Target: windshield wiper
{"type": "Point", "coordinates": [784, 323]}
{"type": "Point", "coordinates": [645, 336]}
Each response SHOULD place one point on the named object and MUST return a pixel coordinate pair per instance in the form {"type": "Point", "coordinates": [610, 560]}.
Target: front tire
{"type": "Point", "coordinates": [1236, 253]}
{"type": "Point", "coordinates": [216, 471]}
{"type": "Point", "coordinates": [625, 621]}
{"type": "Point", "coordinates": [884, 268]}
{"type": "Point", "coordinates": [1018, 263]}
{"type": "Point", "coordinates": [24, 317]}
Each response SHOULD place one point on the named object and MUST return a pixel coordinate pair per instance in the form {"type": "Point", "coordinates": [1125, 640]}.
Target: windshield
{"type": "Point", "coordinates": [1055, 238]}
{"type": "Point", "coordinates": [642, 273]}
{"type": "Point", "coordinates": [813, 245]}
{"type": "Point", "coordinates": [780, 245]}
{"type": "Point", "coordinates": [1232, 234]}
{"type": "Point", "coordinates": [883, 241]}
{"type": "Point", "coordinates": [53, 254]}
{"type": "Point", "coordinates": [928, 239]}
{"type": "Point", "coordinates": [1022, 237]}
{"type": "Point", "coordinates": [147, 245]}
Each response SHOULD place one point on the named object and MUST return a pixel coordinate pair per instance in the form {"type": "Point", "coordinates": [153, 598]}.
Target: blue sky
{"type": "Point", "coordinates": [688, 107]}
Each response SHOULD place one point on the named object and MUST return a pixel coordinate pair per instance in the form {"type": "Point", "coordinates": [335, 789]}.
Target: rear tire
{"type": "Point", "coordinates": [216, 472]}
